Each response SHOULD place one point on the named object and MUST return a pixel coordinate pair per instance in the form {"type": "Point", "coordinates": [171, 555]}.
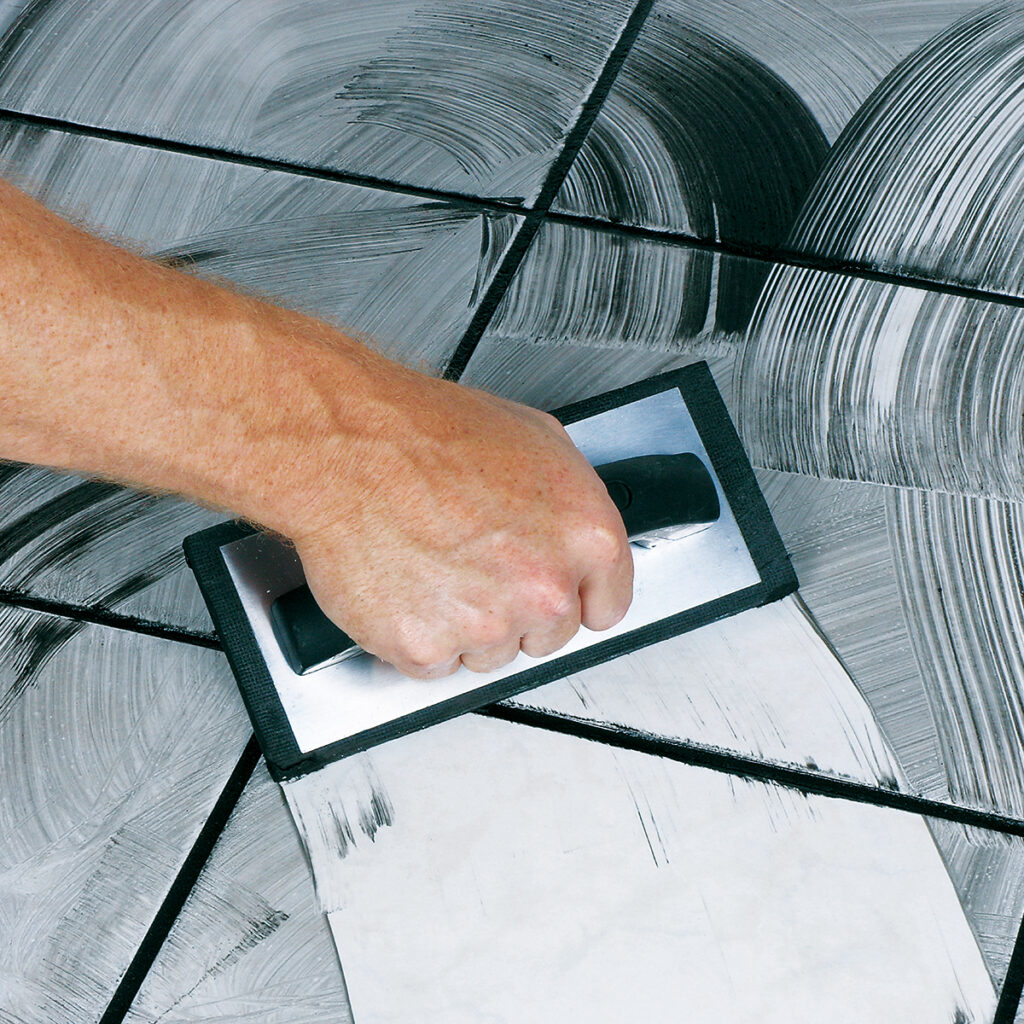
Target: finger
{"type": "Point", "coordinates": [417, 670]}
{"type": "Point", "coordinates": [606, 593]}
{"type": "Point", "coordinates": [490, 658]}
{"type": "Point", "coordinates": [419, 658]}
{"type": "Point", "coordinates": [538, 643]}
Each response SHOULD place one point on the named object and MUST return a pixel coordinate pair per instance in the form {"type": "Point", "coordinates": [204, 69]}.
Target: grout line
{"type": "Point", "coordinates": [234, 156]}
{"type": "Point", "coordinates": [105, 617]}
{"type": "Point", "coordinates": [591, 106]}
{"type": "Point", "coordinates": [482, 204]}
{"type": "Point", "coordinates": [552, 184]}
{"type": "Point", "coordinates": [182, 886]}
{"type": "Point", "coordinates": [751, 768]}
{"type": "Point", "coordinates": [684, 751]}
{"type": "Point", "coordinates": [496, 290]}
{"type": "Point", "coordinates": [1013, 983]}
{"type": "Point", "coordinates": [783, 256]}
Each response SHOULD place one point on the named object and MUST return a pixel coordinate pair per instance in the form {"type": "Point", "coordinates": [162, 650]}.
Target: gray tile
{"type": "Point", "coordinates": [865, 380]}
{"type": "Point", "coordinates": [473, 97]}
{"type": "Point", "coordinates": [794, 124]}
{"type": "Point", "coordinates": [987, 870]}
{"type": "Point", "coordinates": [838, 536]}
{"type": "Point", "coordinates": [114, 747]}
{"type": "Point", "coordinates": [401, 272]}
{"type": "Point", "coordinates": [590, 310]}
{"type": "Point", "coordinates": [925, 181]}
{"type": "Point", "coordinates": [250, 943]}
{"type": "Point", "coordinates": [919, 595]}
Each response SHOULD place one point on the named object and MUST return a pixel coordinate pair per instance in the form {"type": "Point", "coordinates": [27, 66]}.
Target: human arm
{"type": "Point", "coordinates": [434, 522]}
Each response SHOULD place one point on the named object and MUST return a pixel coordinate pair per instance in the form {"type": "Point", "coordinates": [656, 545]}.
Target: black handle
{"type": "Point", "coordinates": [655, 492]}
{"type": "Point", "coordinates": [307, 638]}
{"type": "Point", "coordinates": [651, 492]}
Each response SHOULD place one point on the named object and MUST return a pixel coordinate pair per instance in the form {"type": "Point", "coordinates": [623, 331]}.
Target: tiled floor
{"type": "Point", "coordinates": [813, 811]}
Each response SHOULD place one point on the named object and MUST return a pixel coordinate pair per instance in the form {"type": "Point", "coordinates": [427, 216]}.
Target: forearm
{"type": "Point", "coordinates": [120, 367]}
{"type": "Point", "coordinates": [437, 524]}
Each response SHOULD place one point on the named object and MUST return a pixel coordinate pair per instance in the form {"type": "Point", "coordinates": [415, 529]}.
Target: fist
{"type": "Point", "coordinates": [470, 529]}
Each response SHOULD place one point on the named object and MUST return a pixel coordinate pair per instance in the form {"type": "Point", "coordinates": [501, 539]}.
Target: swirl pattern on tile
{"type": "Point", "coordinates": [250, 932]}
{"type": "Point", "coordinates": [105, 788]}
{"type": "Point", "coordinates": [860, 380]}
{"type": "Point", "coordinates": [700, 137]}
{"type": "Point", "coordinates": [472, 96]}
{"type": "Point", "coordinates": [579, 286]}
{"type": "Point", "coordinates": [959, 565]}
{"type": "Point", "coordinates": [927, 178]}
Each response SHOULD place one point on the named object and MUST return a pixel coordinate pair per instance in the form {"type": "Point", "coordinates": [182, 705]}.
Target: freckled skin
{"type": "Point", "coordinates": [437, 524]}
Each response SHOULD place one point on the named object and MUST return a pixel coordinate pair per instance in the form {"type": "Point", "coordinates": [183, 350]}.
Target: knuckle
{"type": "Point", "coordinates": [484, 629]}
{"type": "Point", "coordinates": [554, 597]}
{"type": "Point", "coordinates": [605, 618]}
{"type": "Point", "coordinates": [541, 645]}
{"type": "Point", "coordinates": [420, 651]}
{"type": "Point", "coordinates": [606, 542]}
{"type": "Point", "coordinates": [488, 661]}
{"type": "Point", "coordinates": [422, 669]}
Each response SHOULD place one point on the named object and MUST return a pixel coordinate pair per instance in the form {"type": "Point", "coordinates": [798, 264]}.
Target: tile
{"type": "Point", "coordinates": [107, 779]}
{"type": "Point", "coordinates": [482, 870]}
{"type": "Point", "coordinates": [400, 271]}
{"type": "Point", "coordinates": [919, 595]}
{"type": "Point", "coordinates": [250, 943]}
{"type": "Point", "coordinates": [776, 123]}
{"type": "Point", "coordinates": [915, 594]}
{"type": "Point", "coordinates": [704, 133]}
{"type": "Point", "coordinates": [590, 310]}
{"type": "Point", "coordinates": [925, 181]}
{"type": "Point", "coordinates": [764, 684]}
{"type": "Point", "coordinates": [959, 569]}
{"type": "Point", "coordinates": [838, 535]}
{"type": "Point", "coordinates": [584, 285]}
{"type": "Point", "coordinates": [470, 97]}
{"type": "Point", "coordinates": [865, 380]}
{"type": "Point", "coordinates": [986, 869]}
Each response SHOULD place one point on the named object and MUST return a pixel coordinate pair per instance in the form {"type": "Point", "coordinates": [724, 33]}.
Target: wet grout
{"type": "Point", "coordinates": [786, 257]}
{"type": "Point", "coordinates": [553, 181]}
{"type": "Point", "coordinates": [1013, 984]}
{"type": "Point", "coordinates": [182, 886]}
{"type": "Point", "coordinates": [233, 156]}
{"type": "Point", "coordinates": [482, 204]}
{"type": "Point", "coordinates": [102, 616]}
{"type": "Point", "coordinates": [805, 780]}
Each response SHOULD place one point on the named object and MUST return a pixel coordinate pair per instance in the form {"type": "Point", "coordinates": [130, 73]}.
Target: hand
{"type": "Point", "coordinates": [470, 528]}
{"type": "Point", "coordinates": [437, 525]}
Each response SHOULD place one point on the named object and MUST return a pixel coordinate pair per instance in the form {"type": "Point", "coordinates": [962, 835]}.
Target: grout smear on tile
{"type": "Point", "coordinates": [862, 380]}
{"type": "Point", "coordinates": [699, 136]}
{"type": "Point", "coordinates": [250, 934]}
{"type": "Point", "coordinates": [925, 179]}
{"type": "Point", "coordinates": [837, 533]}
{"type": "Point", "coordinates": [474, 97]}
{"type": "Point", "coordinates": [959, 569]}
{"type": "Point", "coordinates": [762, 683]}
{"type": "Point", "coordinates": [102, 798]}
